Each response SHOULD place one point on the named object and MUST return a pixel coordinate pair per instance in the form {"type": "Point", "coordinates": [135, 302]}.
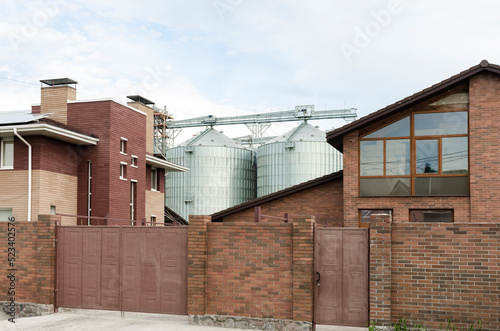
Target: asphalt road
{"type": "Point", "coordinates": [79, 320]}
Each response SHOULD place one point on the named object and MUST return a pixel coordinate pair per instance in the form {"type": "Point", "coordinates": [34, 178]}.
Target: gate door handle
{"type": "Point", "coordinates": [318, 275]}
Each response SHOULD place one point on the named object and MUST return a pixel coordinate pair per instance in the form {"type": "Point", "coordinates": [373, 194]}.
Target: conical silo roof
{"type": "Point", "coordinates": [212, 137]}
{"type": "Point", "coordinates": [304, 132]}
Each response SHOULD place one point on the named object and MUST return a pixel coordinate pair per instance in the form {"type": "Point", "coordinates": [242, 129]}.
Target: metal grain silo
{"type": "Point", "coordinates": [222, 174]}
{"type": "Point", "coordinates": [297, 156]}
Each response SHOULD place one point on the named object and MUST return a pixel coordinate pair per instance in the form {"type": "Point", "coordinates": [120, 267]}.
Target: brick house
{"type": "Point", "coordinates": [81, 157]}
{"type": "Point", "coordinates": [429, 164]}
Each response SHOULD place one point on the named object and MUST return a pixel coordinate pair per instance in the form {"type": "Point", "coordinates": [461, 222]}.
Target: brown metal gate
{"type": "Point", "coordinates": [126, 268]}
{"type": "Point", "coordinates": [341, 271]}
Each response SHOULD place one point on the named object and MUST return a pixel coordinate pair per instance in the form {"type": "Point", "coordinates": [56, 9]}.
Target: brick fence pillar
{"type": "Point", "coordinates": [302, 266]}
{"type": "Point", "coordinates": [197, 264]}
{"type": "Point", "coordinates": [46, 258]}
{"type": "Point", "coordinates": [380, 269]}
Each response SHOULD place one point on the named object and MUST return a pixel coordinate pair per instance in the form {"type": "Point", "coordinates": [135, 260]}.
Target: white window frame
{"type": "Point", "coordinates": [5, 140]}
{"type": "Point", "coordinates": [123, 146]}
{"type": "Point", "coordinates": [123, 170]}
{"type": "Point", "coordinates": [133, 161]}
{"type": "Point", "coordinates": [155, 171]}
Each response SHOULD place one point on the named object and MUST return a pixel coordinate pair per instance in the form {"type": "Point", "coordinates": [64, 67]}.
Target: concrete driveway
{"type": "Point", "coordinates": [81, 319]}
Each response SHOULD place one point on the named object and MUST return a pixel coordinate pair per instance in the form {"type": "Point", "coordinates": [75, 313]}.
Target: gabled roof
{"type": "Point", "coordinates": [276, 195]}
{"type": "Point", "coordinates": [335, 137]}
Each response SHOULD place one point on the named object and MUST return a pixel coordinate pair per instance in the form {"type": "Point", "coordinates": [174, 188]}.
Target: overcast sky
{"type": "Point", "coordinates": [237, 57]}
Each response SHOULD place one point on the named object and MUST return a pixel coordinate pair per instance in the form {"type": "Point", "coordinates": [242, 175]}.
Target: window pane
{"type": "Point", "coordinates": [365, 215]}
{"type": "Point", "coordinates": [432, 124]}
{"type": "Point", "coordinates": [397, 161]}
{"type": "Point", "coordinates": [8, 154]}
{"type": "Point", "coordinates": [5, 213]}
{"type": "Point", "coordinates": [455, 155]}
{"type": "Point", "coordinates": [385, 186]}
{"type": "Point", "coordinates": [427, 156]}
{"type": "Point", "coordinates": [455, 186]}
{"type": "Point", "coordinates": [399, 128]}
{"type": "Point", "coordinates": [432, 215]}
{"type": "Point", "coordinates": [372, 158]}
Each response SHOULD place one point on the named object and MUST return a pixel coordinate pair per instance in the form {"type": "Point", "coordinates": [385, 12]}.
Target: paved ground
{"type": "Point", "coordinates": [80, 320]}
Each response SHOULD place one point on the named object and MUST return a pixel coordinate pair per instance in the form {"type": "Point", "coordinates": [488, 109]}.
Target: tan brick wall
{"type": "Point", "coordinates": [48, 188]}
{"type": "Point", "coordinates": [35, 260]}
{"type": "Point", "coordinates": [155, 202]}
{"type": "Point", "coordinates": [430, 273]}
{"type": "Point", "coordinates": [55, 100]}
{"type": "Point", "coordinates": [149, 124]}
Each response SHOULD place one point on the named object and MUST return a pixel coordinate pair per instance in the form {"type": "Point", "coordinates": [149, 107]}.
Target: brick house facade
{"type": "Point", "coordinates": [89, 158]}
{"type": "Point", "coordinates": [430, 161]}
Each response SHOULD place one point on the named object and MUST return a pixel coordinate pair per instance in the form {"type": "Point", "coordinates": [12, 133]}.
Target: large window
{"type": "Point", "coordinates": [420, 154]}
{"type": "Point", "coordinates": [7, 153]}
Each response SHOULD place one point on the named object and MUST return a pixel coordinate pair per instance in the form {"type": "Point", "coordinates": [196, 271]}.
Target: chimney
{"type": "Point", "coordinates": [142, 104]}
{"type": "Point", "coordinates": [55, 96]}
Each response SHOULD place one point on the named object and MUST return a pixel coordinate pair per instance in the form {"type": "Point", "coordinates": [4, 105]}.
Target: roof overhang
{"type": "Point", "coordinates": [47, 130]}
{"type": "Point", "coordinates": [217, 217]}
{"type": "Point", "coordinates": [164, 164]}
{"type": "Point", "coordinates": [335, 137]}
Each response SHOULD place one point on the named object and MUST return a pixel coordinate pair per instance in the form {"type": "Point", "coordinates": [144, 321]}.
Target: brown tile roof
{"type": "Point", "coordinates": [335, 137]}
{"type": "Point", "coordinates": [276, 195]}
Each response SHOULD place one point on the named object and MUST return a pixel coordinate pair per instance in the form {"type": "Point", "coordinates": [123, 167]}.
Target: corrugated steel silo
{"type": "Point", "coordinates": [297, 156]}
{"type": "Point", "coordinates": [222, 174]}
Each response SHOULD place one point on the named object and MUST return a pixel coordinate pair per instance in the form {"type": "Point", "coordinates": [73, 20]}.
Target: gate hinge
{"type": "Point", "coordinates": [55, 291]}
{"type": "Point", "coordinates": [56, 242]}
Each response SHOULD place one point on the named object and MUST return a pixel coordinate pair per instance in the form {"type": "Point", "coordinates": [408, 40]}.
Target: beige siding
{"type": "Point", "coordinates": [155, 205]}
{"type": "Point", "coordinates": [48, 188]}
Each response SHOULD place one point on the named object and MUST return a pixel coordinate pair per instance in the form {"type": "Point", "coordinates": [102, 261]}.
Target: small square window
{"type": "Point", "coordinates": [366, 214]}
{"type": "Point", "coordinates": [5, 214]}
{"type": "Point", "coordinates": [431, 215]}
{"type": "Point", "coordinates": [133, 161]}
{"type": "Point", "coordinates": [123, 145]}
{"type": "Point", "coordinates": [123, 171]}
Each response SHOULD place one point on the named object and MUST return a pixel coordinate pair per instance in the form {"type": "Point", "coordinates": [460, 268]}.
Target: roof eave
{"type": "Point", "coordinates": [164, 164]}
{"type": "Point", "coordinates": [335, 137]}
{"type": "Point", "coordinates": [47, 130]}
{"type": "Point", "coordinates": [276, 195]}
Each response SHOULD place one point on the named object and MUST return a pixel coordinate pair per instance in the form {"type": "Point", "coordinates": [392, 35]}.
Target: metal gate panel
{"type": "Point", "coordinates": [341, 267]}
{"type": "Point", "coordinates": [131, 269]}
{"type": "Point", "coordinates": [355, 277]}
{"type": "Point", "coordinates": [110, 268]}
{"type": "Point", "coordinates": [91, 268]}
{"type": "Point", "coordinates": [141, 269]}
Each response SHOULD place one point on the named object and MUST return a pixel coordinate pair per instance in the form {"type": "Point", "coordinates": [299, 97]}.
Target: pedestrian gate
{"type": "Point", "coordinates": [341, 271]}
{"type": "Point", "coordinates": [126, 268]}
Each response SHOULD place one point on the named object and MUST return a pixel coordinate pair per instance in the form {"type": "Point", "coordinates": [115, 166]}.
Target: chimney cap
{"type": "Point", "coordinates": [58, 81]}
{"type": "Point", "coordinates": [138, 98]}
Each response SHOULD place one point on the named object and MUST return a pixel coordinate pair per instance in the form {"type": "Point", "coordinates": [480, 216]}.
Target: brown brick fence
{"type": "Point", "coordinates": [430, 273]}
{"type": "Point", "coordinates": [260, 273]}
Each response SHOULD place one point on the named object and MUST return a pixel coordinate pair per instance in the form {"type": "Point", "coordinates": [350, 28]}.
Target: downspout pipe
{"type": "Point", "coordinates": [29, 170]}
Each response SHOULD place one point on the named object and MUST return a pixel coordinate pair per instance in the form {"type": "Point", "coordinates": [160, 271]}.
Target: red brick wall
{"type": "Point", "coordinates": [35, 260]}
{"type": "Point", "coordinates": [110, 121]}
{"type": "Point", "coordinates": [323, 201]}
{"type": "Point", "coordinates": [249, 269]}
{"type": "Point", "coordinates": [48, 154]}
{"type": "Point", "coordinates": [484, 127]}
{"type": "Point", "coordinates": [439, 272]}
